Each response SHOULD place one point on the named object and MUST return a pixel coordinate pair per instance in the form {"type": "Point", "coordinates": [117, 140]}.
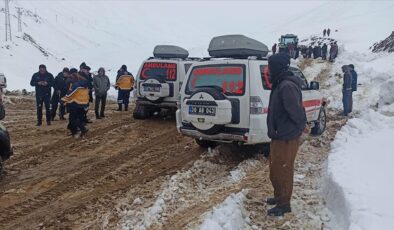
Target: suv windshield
{"type": "Point", "coordinates": [161, 70]}
{"type": "Point", "coordinates": [229, 78]}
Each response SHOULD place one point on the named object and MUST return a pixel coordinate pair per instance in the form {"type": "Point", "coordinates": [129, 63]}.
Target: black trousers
{"type": "Point", "coordinates": [76, 120]}
{"type": "Point", "coordinates": [40, 101]}
{"type": "Point", "coordinates": [56, 99]}
{"type": "Point", "coordinates": [123, 97]}
{"type": "Point", "coordinates": [347, 101]}
{"type": "Point", "coordinates": [99, 111]}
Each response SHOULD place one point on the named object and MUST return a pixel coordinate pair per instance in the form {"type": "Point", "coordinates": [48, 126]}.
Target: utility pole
{"type": "Point", "coordinates": [19, 19]}
{"type": "Point", "coordinates": [8, 35]}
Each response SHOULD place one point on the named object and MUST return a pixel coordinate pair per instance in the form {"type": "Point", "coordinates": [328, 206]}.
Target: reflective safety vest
{"type": "Point", "coordinates": [79, 96]}
{"type": "Point", "coordinates": [125, 82]}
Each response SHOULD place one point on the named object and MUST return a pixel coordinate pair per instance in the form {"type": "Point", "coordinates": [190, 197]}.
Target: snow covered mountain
{"type": "Point", "coordinates": [112, 33]}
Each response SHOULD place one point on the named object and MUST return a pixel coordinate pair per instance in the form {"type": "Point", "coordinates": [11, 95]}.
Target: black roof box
{"type": "Point", "coordinates": [236, 46]}
{"type": "Point", "coordinates": [169, 51]}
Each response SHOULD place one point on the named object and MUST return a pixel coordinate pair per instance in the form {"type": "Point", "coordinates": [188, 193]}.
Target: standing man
{"type": "Point", "coordinates": [77, 99]}
{"type": "Point", "coordinates": [101, 86]}
{"type": "Point", "coordinates": [286, 121]}
{"type": "Point", "coordinates": [124, 85]}
{"type": "Point", "coordinates": [324, 32]}
{"type": "Point", "coordinates": [347, 90]}
{"type": "Point", "coordinates": [43, 82]}
{"type": "Point", "coordinates": [85, 73]}
{"type": "Point", "coordinates": [60, 90]}
{"type": "Point", "coordinates": [328, 32]}
{"type": "Point", "coordinates": [274, 49]}
{"type": "Point", "coordinates": [324, 51]}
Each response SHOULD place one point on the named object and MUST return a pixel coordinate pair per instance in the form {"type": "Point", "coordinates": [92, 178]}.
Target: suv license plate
{"type": "Point", "coordinates": [151, 89]}
{"type": "Point", "coordinates": [198, 110]}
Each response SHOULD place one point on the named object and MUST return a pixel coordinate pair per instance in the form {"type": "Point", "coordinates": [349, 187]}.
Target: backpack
{"type": "Point", "coordinates": [354, 80]}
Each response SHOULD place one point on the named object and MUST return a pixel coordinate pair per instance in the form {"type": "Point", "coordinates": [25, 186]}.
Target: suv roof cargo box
{"type": "Point", "coordinates": [236, 46]}
{"type": "Point", "coordinates": [169, 51]}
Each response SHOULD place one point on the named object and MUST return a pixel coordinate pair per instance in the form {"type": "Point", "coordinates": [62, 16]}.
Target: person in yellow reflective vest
{"type": "Point", "coordinates": [77, 101]}
{"type": "Point", "coordinates": [124, 85]}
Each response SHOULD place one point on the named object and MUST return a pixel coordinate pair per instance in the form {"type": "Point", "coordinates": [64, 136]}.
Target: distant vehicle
{"type": "Point", "coordinates": [5, 144]}
{"type": "Point", "coordinates": [287, 39]}
{"type": "Point", "coordinates": [225, 98]}
{"type": "Point", "coordinates": [159, 80]}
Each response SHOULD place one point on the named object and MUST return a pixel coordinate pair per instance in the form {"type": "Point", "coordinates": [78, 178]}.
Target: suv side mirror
{"type": "Point", "coordinates": [314, 85]}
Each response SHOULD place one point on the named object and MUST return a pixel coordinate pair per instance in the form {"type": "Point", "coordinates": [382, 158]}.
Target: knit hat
{"type": "Point", "coordinates": [278, 63]}
{"type": "Point", "coordinates": [124, 67]}
{"type": "Point", "coordinates": [42, 66]}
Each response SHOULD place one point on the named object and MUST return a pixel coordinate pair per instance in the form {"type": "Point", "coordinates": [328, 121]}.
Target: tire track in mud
{"type": "Point", "coordinates": [88, 176]}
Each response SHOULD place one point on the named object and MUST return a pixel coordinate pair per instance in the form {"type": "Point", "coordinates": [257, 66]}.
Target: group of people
{"type": "Point", "coordinates": [73, 92]}
{"type": "Point", "coordinates": [311, 52]}
{"type": "Point", "coordinates": [321, 51]}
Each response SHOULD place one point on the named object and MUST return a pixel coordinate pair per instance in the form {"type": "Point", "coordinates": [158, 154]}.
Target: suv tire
{"type": "Point", "coordinates": [217, 95]}
{"type": "Point", "coordinates": [141, 112]}
{"type": "Point", "coordinates": [206, 144]}
{"type": "Point", "coordinates": [320, 124]}
{"type": "Point", "coordinates": [160, 99]}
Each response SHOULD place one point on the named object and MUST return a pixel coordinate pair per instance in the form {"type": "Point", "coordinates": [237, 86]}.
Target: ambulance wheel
{"type": "Point", "coordinates": [320, 124]}
{"type": "Point", "coordinates": [141, 112]}
{"type": "Point", "coordinates": [206, 144]}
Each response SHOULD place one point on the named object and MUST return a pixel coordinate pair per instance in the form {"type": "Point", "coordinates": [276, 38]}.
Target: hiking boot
{"type": "Point", "coordinates": [84, 131]}
{"type": "Point", "coordinates": [271, 201]}
{"type": "Point", "coordinates": [126, 108]}
{"type": "Point", "coordinates": [102, 115]}
{"type": "Point", "coordinates": [119, 107]}
{"type": "Point", "coordinates": [48, 122]}
{"type": "Point", "coordinates": [39, 123]}
{"type": "Point", "coordinates": [279, 210]}
{"type": "Point", "coordinates": [98, 117]}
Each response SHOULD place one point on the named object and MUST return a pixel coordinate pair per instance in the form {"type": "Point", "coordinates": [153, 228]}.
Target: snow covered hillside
{"type": "Point", "coordinates": [109, 34]}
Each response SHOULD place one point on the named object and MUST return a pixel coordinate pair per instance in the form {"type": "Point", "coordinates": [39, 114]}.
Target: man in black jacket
{"type": "Point", "coordinates": [60, 90]}
{"type": "Point", "coordinates": [286, 121]}
{"type": "Point", "coordinates": [43, 82]}
{"type": "Point", "coordinates": [347, 98]}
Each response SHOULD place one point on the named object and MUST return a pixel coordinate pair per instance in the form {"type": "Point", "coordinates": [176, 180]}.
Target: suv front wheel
{"type": "Point", "coordinates": [320, 124]}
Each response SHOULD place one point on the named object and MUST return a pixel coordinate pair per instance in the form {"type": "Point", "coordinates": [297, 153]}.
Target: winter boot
{"type": "Point", "coordinates": [48, 122]}
{"type": "Point", "coordinates": [126, 108]}
{"type": "Point", "coordinates": [39, 123]}
{"type": "Point", "coordinates": [271, 201]}
{"type": "Point", "coordinates": [279, 210]}
{"type": "Point", "coordinates": [119, 107]}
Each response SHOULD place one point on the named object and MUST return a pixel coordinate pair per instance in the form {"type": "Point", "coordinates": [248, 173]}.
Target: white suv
{"type": "Point", "coordinates": [159, 80]}
{"type": "Point", "coordinates": [225, 98]}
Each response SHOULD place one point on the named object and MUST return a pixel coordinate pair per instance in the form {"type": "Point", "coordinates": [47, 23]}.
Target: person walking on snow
{"type": "Point", "coordinates": [101, 86]}
{"type": "Point", "coordinates": [347, 99]}
{"type": "Point", "coordinates": [328, 32]}
{"type": "Point", "coordinates": [324, 32]}
{"type": "Point", "coordinates": [43, 82]}
{"type": "Point", "coordinates": [124, 85]}
{"type": "Point", "coordinates": [60, 90]}
{"type": "Point", "coordinates": [354, 83]}
{"type": "Point", "coordinates": [286, 121]}
{"type": "Point", "coordinates": [274, 49]}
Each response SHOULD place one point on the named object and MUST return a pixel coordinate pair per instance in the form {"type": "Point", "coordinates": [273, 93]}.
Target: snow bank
{"type": "Point", "coordinates": [229, 215]}
{"type": "Point", "coordinates": [360, 167]}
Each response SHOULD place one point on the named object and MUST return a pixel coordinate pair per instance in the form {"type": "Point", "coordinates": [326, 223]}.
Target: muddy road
{"type": "Point", "coordinates": [133, 174]}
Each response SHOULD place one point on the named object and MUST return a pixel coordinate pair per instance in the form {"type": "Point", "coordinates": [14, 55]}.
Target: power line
{"type": "Point", "coordinates": [8, 35]}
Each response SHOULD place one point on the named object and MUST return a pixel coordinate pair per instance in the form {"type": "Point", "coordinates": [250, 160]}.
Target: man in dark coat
{"type": "Point", "coordinates": [328, 32]}
{"type": "Point", "coordinates": [60, 90]}
{"type": "Point", "coordinates": [101, 86]}
{"type": "Point", "coordinates": [85, 73]}
{"type": "Point", "coordinates": [347, 99]}
{"type": "Point", "coordinates": [274, 49]}
{"type": "Point", "coordinates": [286, 121]}
{"type": "Point", "coordinates": [123, 95]}
{"type": "Point", "coordinates": [324, 51]}
{"type": "Point", "coordinates": [310, 52]}
{"type": "Point", "coordinates": [324, 32]}
{"type": "Point", "coordinates": [43, 82]}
